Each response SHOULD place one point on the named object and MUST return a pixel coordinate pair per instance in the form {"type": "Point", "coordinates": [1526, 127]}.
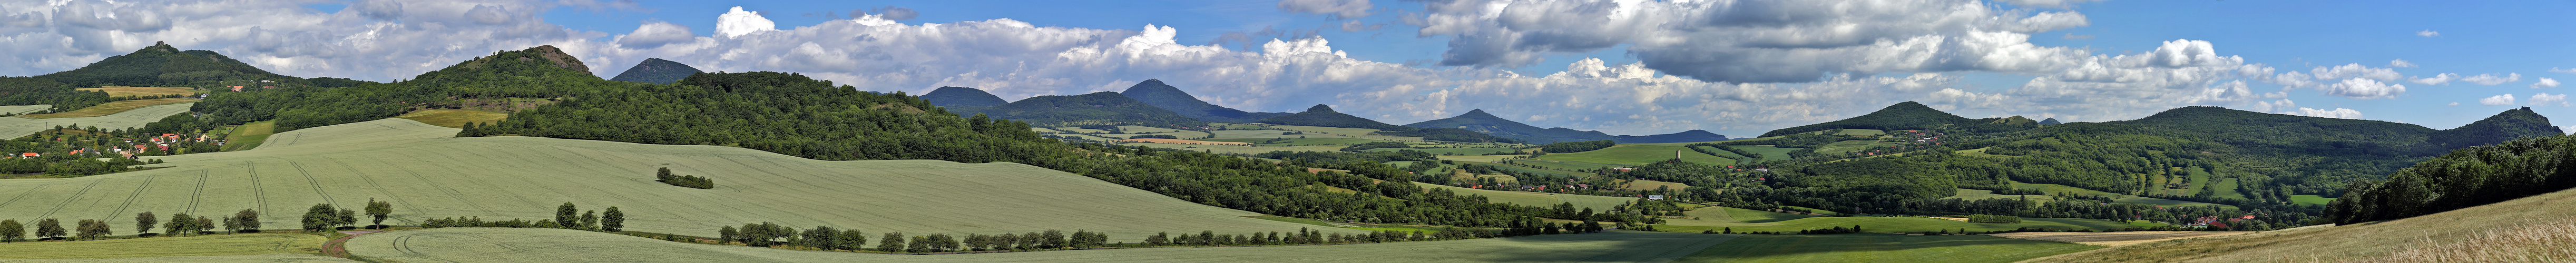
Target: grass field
{"type": "Point", "coordinates": [124, 91]}
{"type": "Point", "coordinates": [2227, 189]}
{"type": "Point", "coordinates": [209, 245]}
{"type": "Point", "coordinates": [2056, 188]}
{"type": "Point", "coordinates": [1449, 151]}
{"type": "Point", "coordinates": [1636, 155]}
{"type": "Point", "coordinates": [1238, 149]}
{"type": "Point", "coordinates": [1649, 185]}
{"type": "Point", "coordinates": [1768, 152]}
{"type": "Point", "coordinates": [23, 109]}
{"type": "Point", "coordinates": [556, 245]}
{"type": "Point", "coordinates": [1563, 165]}
{"type": "Point", "coordinates": [1981, 152]}
{"type": "Point", "coordinates": [113, 107]}
{"type": "Point", "coordinates": [455, 118]}
{"type": "Point", "coordinates": [249, 135]}
{"type": "Point", "coordinates": [1851, 146]}
{"type": "Point", "coordinates": [23, 125]}
{"type": "Point", "coordinates": [2311, 199]}
{"type": "Point", "coordinates": [1537, 199]}
{"type": "Point", "coordinates": [426, 173]}
{"type": "Point", "coordinates": [1481, 158]}
{"type": "Point", "coordinates": [1530, 170]}
{"type": "Point", "coordinates": [1879, 248]}
{"type": "Point", "coordinates": [2530, 229]}
{"type": "Point", "coordinates": [1730, 215]}
{"type": "Point", "coordinates": [1741, 220]}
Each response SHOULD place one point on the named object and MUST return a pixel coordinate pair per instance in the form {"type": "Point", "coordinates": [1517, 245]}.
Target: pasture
{"type": "Point", "coordinates": [2056, 188]}
{"type": "Point", "coordinates": [24, 125]}
{"type": "Point", "coordinates": [455, 118]}
{"type": "Point", "coordinates": [557, 245]}
{"type": "Point", "coordinates": [124, 91]}
{"type": "Point", "coordinates": [1768, 152]}
{"type": "Point", "coordinates": [425, 173]}
{"type": "Point", "coordinates": [1879, 248]}
{"type": "Point", "coordinates": [1637, 155]}
{"type": "Point", "coordinates": [2311, 199]}
{"type": "Point", "coordinates": [1237, 149]}
{"type": "Point", "coordinates": [114, 107]}
{"type": "Point", "coordinates": [1648, 185]}
{"type": "Point", "coordinates": [1537, 199]}
{"type": "Point", "coordinates": [1449, 151]}
{"type": "Point", "coordinates": [207, 245]}
{"type": "Point", "coordinates": [1714, 218]}
{"type": "Point", "coordinates": [2113, 238]}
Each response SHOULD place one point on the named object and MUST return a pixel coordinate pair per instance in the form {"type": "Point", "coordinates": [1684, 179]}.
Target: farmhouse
{"type": "Point", "coordinates": [1180, 141]}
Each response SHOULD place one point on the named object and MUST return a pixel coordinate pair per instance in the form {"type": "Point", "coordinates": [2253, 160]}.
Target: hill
{"type": "Point", "coordinates": [2522, 229]}
{"type": "Point", "coordinates": [1324, 116]}
{"type": "Point", "coordinates": [162, 64]}
{"type": "Point", "coordinates": [415, 167]}
{"type": "Point", "coordinates": [962, 97]}
{"type": "Point", "coordinates": [1902, 116]}
{"type": "Point", "coordinates": [555, 245]}
{"type": "Point", "coordinates": [1684, 136]}
{"type": "Point", "coordinates": [1095, 108]}
{"type": "Point", "coordinates": [13, 127]}
{"type": "Point", "coordinates": [2049, 121]}
{"type": "Point", "coordinates": [2505, 126]}
{"type": "Point", "coordinates": [504, 81]}
{"type": "Point", "coordinates": [1479, 121]}
{"type": "Point", "coordinates": [657, 71]}
{"type": "Point", "coordinates": [1154, 92]}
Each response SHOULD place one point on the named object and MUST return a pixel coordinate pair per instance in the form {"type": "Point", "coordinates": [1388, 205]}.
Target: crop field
{"type": "Point", "coordinates": [1879, 248]}
{"type": "Point", "coordinates": [1143, 129]}
{"type": "Point", "coordinates": [1044, 130]}
{"type": "Point", "coordinates": [249, 135]}
{"type": "Point", "coordinates": [124, 91]}
{"type": "Point", "coordinates": [1526, 169]}
{"type": "Point", "coordinates": [1449, 151]}
{"type": "Point", "coordinates": [2311, 199]}
{"type": "Point", "coordinates": [1768, 152]}
{"type": "Point", "coordinates": [2227, 189]}
{"type": "Point", "coordinates": [14, 127]}
{"type": "Point", "coordinates": [2535, 228]}
{"type": "Point", "coordinates": [23, 109]}
{"type": "Point", "coordinates": [1635, 155]}
{"type": "Point", "coordinates": [2055, 188]}
{"type": "Point", "coordinates": [1563, 165]}
{"type": "Point", "coordinates": [1237, 149]}
{"type": "Point", "coordinates": [1537, 199]}
{"type": "Point", "coordinates": [2113, 238]}
{"type": "Point", "coordinates": [1481, 158]}
{"type": "Point", "coordinates": [1079, 130]}
{"type": "Point", "coordinates": [207, 245]}
{"type": "Point", "coordinates": [1717, 219]}
{"type": "Point", "coordinates": [114, 107]}
{"type": "Point", "coordinates": [1315, 132]}
{"type": "Point", "coordinates": [1648, 185]}
{"type": "Point", "coordinates": [455, 118]}
{"type": "Point", "coordinates": [556, 245]}
{"type": "Point", "coordinates": [425, 173]}
{"type": "Point", "coordinates": [1851, 146]}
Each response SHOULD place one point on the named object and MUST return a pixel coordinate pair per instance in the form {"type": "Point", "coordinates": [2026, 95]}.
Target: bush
{"type": "Point", "coordinates": [1154, 136]}
{"type": "Point", "coordinates": [690, 181]}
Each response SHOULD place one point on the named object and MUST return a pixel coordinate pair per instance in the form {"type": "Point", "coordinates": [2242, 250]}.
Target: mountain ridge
{"type": "Point", "coordinates": [961, 97]}
{"type": "Point", "coordinates": [1161, 95]}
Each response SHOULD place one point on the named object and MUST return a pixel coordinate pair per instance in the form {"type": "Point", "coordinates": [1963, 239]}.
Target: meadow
{"type": "Point", "coordinates": [114, 107]}
{"type": "Point", "coordinates": [1638, 155]}
{"type": "Point", "coordinates": [1537, 199]}
{"type": "Point", "coordinates": [1879, 248]}
{"type": "Point", "coordinates": [249, 135]}
{"type": "Point", "coordinates": [426, 173]}
{"type": "Point", "coordinates": [13, 127]}
{"type": "Point", "coordinates": [124, 91]}
{"type": "Point", "coordinates": [2530, 229]}
{"type": "Point", "coordinates": [2056, 188]}
{"type": "Point", "coordinates": [455, 118]}
{"type": "Point", "coordinates": [557, 245]}
{"type": "Point", "coordinates": [207, 245]}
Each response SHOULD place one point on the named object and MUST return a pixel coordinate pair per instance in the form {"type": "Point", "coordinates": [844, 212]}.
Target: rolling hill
{"type": "Point", "coordinates": [2519, 230]}
{"type": "Point", "coordinates": [1154, 92]}
{"type": "Point", "coordinates": [657, 71]}
{"type": "Point", "coordinates": [557, 245]}
{"type": "Point", "coordinates": [1901, 116]}
{"type": "Point", "coordinates": [13, 127]}
{"type": "Point", "coordinates": [418, 168]}
{"type": "Point", "coordinates": [2505, 126]}
{"type": "Point", "coordinates": [1684, 136]}
{"type": "Point", "coordinates": [162, 64]}
{"type": "Point", "coordinates": [1095, 108]}
{"type": "Point", "coordinates": [1479, 121]}
{"type": "Point", "coordinates": [1324, 116]}
{"type": "Point", "coordinates": [962, 97]}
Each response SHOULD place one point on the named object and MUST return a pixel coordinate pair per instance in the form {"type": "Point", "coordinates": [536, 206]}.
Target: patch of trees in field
{"type": "Point", "coordinates": [766, 234]}
{"type": "Point", "coordinates": [567, 216]}
{"type": "Point", "coordinates": [1994, 219]}
{"type": "Point", "coordinates": [246, 221]}
{"type": "Point", "coordinates": [1576, 147]}
{"type": "Point", "coordinates": [2465, 178]}
{"type": "Point", "coordinates": [690, 181]}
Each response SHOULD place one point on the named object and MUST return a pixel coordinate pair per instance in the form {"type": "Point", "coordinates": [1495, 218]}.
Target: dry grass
{"type": "Point", "coordinates": [2483, 230]}
{"type": "Point", "coordinates": [2545, 242]}
{"type": "Point", "coordinates": [455, 118]}
{"type": "Point", "coordinates": [2109, 239]}
{"type": "Point", "coordinates": [123, 91]}
{"type": "Point", "coordinates": [114, 107]}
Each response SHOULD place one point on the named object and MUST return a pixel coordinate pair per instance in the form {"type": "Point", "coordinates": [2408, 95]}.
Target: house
{"type": "Point", "coordinates": [29, 155]}
{"type": "Point", "coordinates": [237, 88]}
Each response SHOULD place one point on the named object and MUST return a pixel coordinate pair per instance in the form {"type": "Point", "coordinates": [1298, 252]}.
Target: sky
{"type": "Point", "coordinates": [1739, 67]}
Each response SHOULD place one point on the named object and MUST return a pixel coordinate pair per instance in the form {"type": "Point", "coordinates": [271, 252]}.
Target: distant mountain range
{"type": "Point", "coordinates": [1095, 108]}
{"type": "Point", "coordinates": [1480, 121]}
{"type": "Point", "coordinates": [657, 71]}
{"type": "Point", "coordinates": [1154, 92]}
{"type": "Point", "coordinates": [161, 64]}
{"type": "Point", "coordinates": [957, 97]}
{"type": "Point", "coordinates": [1324, 116]}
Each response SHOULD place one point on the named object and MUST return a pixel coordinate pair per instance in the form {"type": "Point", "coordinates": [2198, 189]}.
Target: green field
{"type": "Point", "coordinates": [557, 245]}
{"type": "Point", "coordinates": [113, 107]}
{"type": "Point", "coordinates": [14, 127]}
{"type": "Point", "coordinates": [1450, 151]}
{"type": "Point", "coordinates": [1879, 248]}
{"type": "Point", "coordinates": [1718, 218]}
{"type": "Point", "coordinates": [1981, 152]}
{"type": "Point", "coordinates": [249, 135]}
{"type": "Point", "coordinates": [208, 245]}
{"type": "Point", "coordinates": [2227, 189]}
{"type": "Point", "coordinates": [1636, 155]}
{"type": "Point", "coordinates": [1650, 185]}
{"type": "Point", "coordinates": [1861, 132]}
{"type": "Point", "coordinates": [1768, 152]}
{"type": "Point", "coordinates": [2311, 199]}
{"type": "Point", "coordinates": [455, 118]}
{"type": "Point", "coordinates": [23, 109]}
{"type": "Point", "coordinates": [1524, 169]}
{"type": "Point", "coordinates": [2055, 188]}
{"type": "Point", "coordinates": [1730, 215]}
{"type": "Point", "coordinates": [1237, 149]}
{"type": "Point", "coordinates": [1537, 199]}
{"type": "Point", "coordinates": [1563, 165]}
{"type": "Point", "coordinates": [425, 173]}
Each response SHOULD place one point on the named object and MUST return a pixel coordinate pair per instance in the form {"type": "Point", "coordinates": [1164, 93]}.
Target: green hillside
{"type": "Point", "coordinates": [160, 65]}
{"type": "Point", "coordinates": [657, 71]}
{"type": "Point", "coordinates": [13, 127]}
{"type": "Point", "coordinates": [1479, 121]}
{"type": "Point", "coordinates": [1537, 199]}
{"type": "Point", "coordinates": [2518, 230]}
{"type": "Point", "coordinates": [557, 245]}
{"type": "Point", "coordinates": [1678, 137]}
{"type": "Point", "coordinates": [1155, 92]}
{"type": "Point", "coordinates": [1324, 116]}
{"type": "Point", "coordinates": [1902, 116]}
{"type": "Point", "coordinates": [2505, 126]}
{"type": "Point", "coordinates": [962, 97]}
{"type": "Point", "coordinates": [416, 167]}
{"type": "Point", "coordinates": [1095, 108]}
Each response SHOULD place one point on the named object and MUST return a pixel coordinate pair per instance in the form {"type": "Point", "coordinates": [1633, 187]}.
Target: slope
{"type": "Point", "coordinates": [1154, 92]}
{"type": "Point", "coordinates": [1095, 108]}
{"type": "Point", "coordinates": [557, 245]}
{"type": "Point", "coordinates": [1479, 121]}
{"type": "Point", "coordinates": [2517, 230]}
{"type": "Point", "coordinates": [962, 97]}
{"type": "Point", "coordinates": [1684, 136]}
{"type": "Point", "coordinates": [2505, 126]}
{"type": "Point", "coordinates": [424, 173]}
{"type": "Point", "coordinates": [656, 71]}
{"type": "Point", "coordinates": [162, 64]}
{"type": "Point", "coordinates": [1902, 116]}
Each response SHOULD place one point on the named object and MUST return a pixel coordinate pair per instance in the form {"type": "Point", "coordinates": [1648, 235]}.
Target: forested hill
{"type": "Point", "coordinates": [161, 64]}
{"type": "Point", "coordinates": [656, 71]}
{"type": "Point", "coordinates": [1154, 92]}
{"type": "Point", "coordinates": [960, 97]}
{"type": "Point", "coordinates": [512, 78]}
{"type": "Point", "coordinates": [1322, 115]}
{"type": "Point", "coordinates": [1684, 136]}
{"type": "Point", "coordinates": [1479, 121]}
{"type": "Point", "coordinates": [1902, 116]}
{"type": "Point", "coordinates": [2516, 123]}
{"type": "Point", "coordinates": [1095, 108]}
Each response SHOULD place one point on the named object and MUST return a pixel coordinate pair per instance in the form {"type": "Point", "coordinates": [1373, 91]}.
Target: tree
{"type": "Point", "coordinates": [612, 221]}
{"type": "Point", "coordinates": [93, 229]}
{"type": "Point", "coordinates": [853, 240]}
{"type": "Point", "coordinates": [143, 222]}
{"type": "Point", "coordinates": [893, 242]}
{"type": "Point", "coordinates": [249, 220]}
{"type": "Point", "coordinates": [203, 224]}
{"type": "Point", "coordinates": [50, 228]}
{"type": "Point", "coordinates": [345, 217]}
{"type": "Point", "coordinates": [179, 225]}
{"type": "Point", "coordinates": [821, 237]}
{"type": "Point", "coordinates": [380, 210]}
{"type": "Point", "coordinates": [568, 215]}
{"type": "Point", "coordinates": [319, 217]}
{"type": "Point", "coordinates": [590, 220]}
{"type": "Point", "coordinates": [726, 234]}
{"type": "Point", "coordinates": [11, 231]}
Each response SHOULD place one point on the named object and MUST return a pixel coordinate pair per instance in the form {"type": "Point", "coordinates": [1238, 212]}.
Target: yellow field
{"type": "Point", "coordinates": [124, 91]}
{"type": "Point", "coordinates": [208, 245]}
{"type": "Point", "coordinates": [2111, 238]}
{"type": "Point", "coordinates": [103, 109]}
{"type": "Point", "coordinates": [455, 118]}
{"type": "Point", "coordinates": [1650, 185]}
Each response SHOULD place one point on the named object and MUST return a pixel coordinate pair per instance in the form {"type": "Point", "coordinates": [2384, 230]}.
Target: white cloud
{"type": "Point", "coordinates": [2545, 83]}
{"type": "Point", "coordinates": [2455, 103]}
{"type": "Point", "coordinates": [1760, 41]}
{"type": "Point", "coordinates": [2046, 3]}
{"type": "Point", "coordinates": [2401, 63]}
{"type": "Point", "coordinates": [2355, 70]}
{"type": "Point", "coordinates": [655, 34]}
{"type": "Point", "coordinates": [2338, 113]}
{"type": "Point", "coordinates": [2437, 79]}
{"type": "Point", "coordinates": [2545, 99]}
{"type": "Point", "coordinates": [1337, 9]}
{"type": "Point", "coordinates": [2492, 79]}
{"type": "Point", "coordinates": [735, 23]}
{"type": "Point", "coordinates": [2361, 88]}
{"type": "Point", "coordinates": [2428, 33]}
{"type": "Point", "coordinates": [2497, 100]}
{"type": "Point", "coordinates": [2572, 70]}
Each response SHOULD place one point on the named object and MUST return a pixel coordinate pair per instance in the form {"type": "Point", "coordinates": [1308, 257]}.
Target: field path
{"type": "Point", "coordinates": [337, 247]}
{"type": "Point", "coordinates": [316, 183]}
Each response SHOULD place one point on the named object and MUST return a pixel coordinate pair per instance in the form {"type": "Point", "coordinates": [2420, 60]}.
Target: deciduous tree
{"type": "Point", "coordinates": [612, 221]}
{"type": "Point", "coordinates": [379, 210]}
{"type": "Point", "coordinates": [143, 222]}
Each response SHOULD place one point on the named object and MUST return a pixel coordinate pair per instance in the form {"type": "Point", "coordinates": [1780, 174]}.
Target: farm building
{"type": "Point", "coordinates": [1180, 141]}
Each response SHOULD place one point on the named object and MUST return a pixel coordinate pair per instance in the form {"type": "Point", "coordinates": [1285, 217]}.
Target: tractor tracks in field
{"type": "Point", "coordinates": [257, 193]}
{"type": "Point", "coordinates": [199, 194]}
{"type": "Point", "coordinates": [315, 182]}
{"type": "Point", "coordinates": [67, 202]}
{"type": "Point", "coordinates": [131, 197]}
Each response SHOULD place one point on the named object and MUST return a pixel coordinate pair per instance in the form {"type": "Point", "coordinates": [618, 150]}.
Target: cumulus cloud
{"type": "Point", "coordinates": [1760, 41]}
{"type": "Point", "coordinates": [2492, 79]}
{"type": "Point", "coordinates": [1336, 9]}
{"type": "Point", "coordinates": [2361, 88]}
{"type": "Point", "coordinates": [2572, 70]}
{"type": "Point", "coordinates": [737, 22]}
{"type": "Point", "coordinates": [2338, 113]}
{"type": "Point", "coordinates": [2545, 83]}
{"type": "Point", "coordinates": [2497, 100]}
{"type": "Point", "coordinates": [2428, 33]}
{"type": "Point", "coordinates": [655, 34]}
{"type": "Point", "coordinates": [2545, 99]}
{"type": "Point", "coordinates": [2455, 103]}
{"type": "Point", "coordinates": [2436, 79]}
{"type": "Point", "coordinates": [374, 40]}
{"type": "Point", "coordinates": [894, 13]}
{"type": "Point", "coordinates": [2401, 63]}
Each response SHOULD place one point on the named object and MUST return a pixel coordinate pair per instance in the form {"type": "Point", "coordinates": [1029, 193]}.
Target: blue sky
{"type": "Point", "coordinates": [1685, 65]}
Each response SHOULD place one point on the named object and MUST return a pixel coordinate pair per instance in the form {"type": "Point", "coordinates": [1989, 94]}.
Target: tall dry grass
{"type": "Point", "coordinates": [2542, 242]}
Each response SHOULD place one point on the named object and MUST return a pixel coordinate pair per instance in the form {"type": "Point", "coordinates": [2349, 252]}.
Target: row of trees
{"type": "Point", "coordinates": [2465, 178]}
{"type": "Point", "coordinates": [246, 221]}
{"type": "Point", "coordinates": [567, 216]}
{"type": "Point", "coordinates": [1994, 219]}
